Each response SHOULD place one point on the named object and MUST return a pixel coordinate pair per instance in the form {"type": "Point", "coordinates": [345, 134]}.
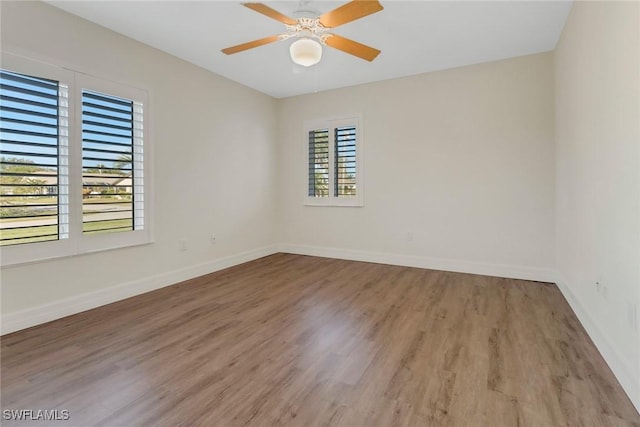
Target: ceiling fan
{"type": "Point", "coordinates": [312, 33]}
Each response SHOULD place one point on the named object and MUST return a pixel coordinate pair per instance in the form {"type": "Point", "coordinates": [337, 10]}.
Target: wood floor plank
{"type": "Point", "coordinates": [290, 340]}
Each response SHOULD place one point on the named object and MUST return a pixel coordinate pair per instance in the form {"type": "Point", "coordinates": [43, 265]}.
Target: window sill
{"type": "Point", "coordinates": [19, 255]}
{"type": "Point", "coordinates": [334, 202]}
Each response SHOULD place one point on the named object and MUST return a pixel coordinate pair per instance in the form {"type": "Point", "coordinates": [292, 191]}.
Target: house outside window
{"type": "Point", "coordinates": [74, 159]}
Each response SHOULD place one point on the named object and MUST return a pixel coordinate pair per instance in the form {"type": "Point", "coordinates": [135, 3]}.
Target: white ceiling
{"type": "Point", "coordinates": [414, 36]}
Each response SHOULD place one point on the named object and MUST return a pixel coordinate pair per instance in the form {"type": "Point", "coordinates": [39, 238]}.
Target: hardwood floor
{"type": "Point", "coordinates": [303, 341]}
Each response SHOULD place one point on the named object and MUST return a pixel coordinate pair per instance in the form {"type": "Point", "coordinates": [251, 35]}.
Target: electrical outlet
{"type": "Point", "coordinates": [182, 245]}
{"type": "Point", "coordinates": [409, 236]}
{"type": "Point", "coordinates": [598, 287]}
{"type": "Point", "coordinates": [213, 239]}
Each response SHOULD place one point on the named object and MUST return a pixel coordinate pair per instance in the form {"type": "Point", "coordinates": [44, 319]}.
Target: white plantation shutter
{"type": "Point", "coordinates": [112, 164]}
{"type": "Point", "coordinates": [74, 163]}
{"type": "Point", "coordinates": [138, 166]}
{"type": "Point", "coordinates": [334, 172]}
{"type": "Point", "coordinates": [345, 161]}
{"type": "Point", "coordinates": [34, 165]}
{"type": "Point", "coordinates": [318, 163]}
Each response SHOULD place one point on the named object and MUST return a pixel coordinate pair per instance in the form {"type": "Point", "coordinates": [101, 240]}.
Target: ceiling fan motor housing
{"type": "Point", "coordinates": [309, 28]}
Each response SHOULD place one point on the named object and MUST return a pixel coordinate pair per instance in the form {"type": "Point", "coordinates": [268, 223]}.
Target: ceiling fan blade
{"type": "Point", "coordinates": [250, 45]}
{"type": "Point", "coordinates": [271, 13]}
{"type": "Point", "coordinates": [351, 11]}
{"type": "Point", "coordinates": [352, 47]}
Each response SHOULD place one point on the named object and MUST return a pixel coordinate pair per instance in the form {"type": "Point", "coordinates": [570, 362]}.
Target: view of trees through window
{"type": "Point", "coordinates": [319, 163]}
{"type": "Point", "coordinates": [345, 161]}
{"type": "Point", "coordinates": [29, 204]}
{"type": "Point", "coordinates": [29, 159]}
{"type": "Point", "coordinates": [338, 144]}
{"type": "Point", "coordinates": [107, 163]}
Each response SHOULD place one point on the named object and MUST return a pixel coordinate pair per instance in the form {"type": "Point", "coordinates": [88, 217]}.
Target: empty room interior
{"type": "Point", "coordinates": [320, 213]}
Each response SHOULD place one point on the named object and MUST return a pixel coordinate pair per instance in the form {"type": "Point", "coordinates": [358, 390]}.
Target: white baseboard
{"type": "Point", "coordinates": [622, 368]}
{"type": "Point", "coordinates": [65, 307]}
{"type": "Point", "coordinates": [459, 266]}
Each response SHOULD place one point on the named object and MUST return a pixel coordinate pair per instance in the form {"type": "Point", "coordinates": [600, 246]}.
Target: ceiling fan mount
{"type": "Point", "coordinates": [305, 11]}
{"type": "Point", "coordinates": [309, 28]}
{"type": "Point", "coordinates": [317, 29]}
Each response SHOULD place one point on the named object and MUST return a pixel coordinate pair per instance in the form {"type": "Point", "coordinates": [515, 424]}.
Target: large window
{"type": "Point", "coordinates": [334, 153]}
{"type": "Point", "coordinates": [72, 163]}
{"type": "Point", "coordinates": [33, 159]}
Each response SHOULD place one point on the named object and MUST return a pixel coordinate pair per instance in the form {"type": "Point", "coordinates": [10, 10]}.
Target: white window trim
{"type": "Point", "coordinates": [77, 243]}
{"type": "Point", "coordinates": [331, 123]}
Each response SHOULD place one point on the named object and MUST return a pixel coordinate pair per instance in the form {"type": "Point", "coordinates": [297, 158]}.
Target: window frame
{"type": "Point", "coordinates": [77, 243]}
{"type": "Point", "coordinates": [331, 124]}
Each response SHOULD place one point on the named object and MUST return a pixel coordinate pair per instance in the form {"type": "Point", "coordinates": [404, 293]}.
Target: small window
{"type": "Point", "coordinates": [334, 153]}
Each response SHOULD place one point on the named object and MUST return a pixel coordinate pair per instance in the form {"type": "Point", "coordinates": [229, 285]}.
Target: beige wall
{"type": "Point", "coordinates": [597, 84]}
{"type": "Point", "coordinates": [462, 159]}
{"type": "Point", "coordinates": [214, 149]}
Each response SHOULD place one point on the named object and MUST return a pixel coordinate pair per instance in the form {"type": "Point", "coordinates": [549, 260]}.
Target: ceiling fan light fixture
{"type": "Point", "coordinates": [305, 52]}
